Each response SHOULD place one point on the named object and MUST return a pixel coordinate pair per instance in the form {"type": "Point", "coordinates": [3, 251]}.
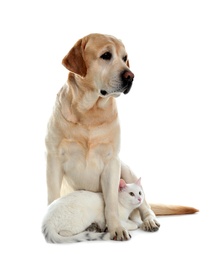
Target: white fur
{"type": "Point", "coordinates": [68, 217]}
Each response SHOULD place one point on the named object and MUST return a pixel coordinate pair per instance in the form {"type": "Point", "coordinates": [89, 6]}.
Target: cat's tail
{"type": "Point", "coordinates": [51, 236]}
{"type": "Point", "coordinates": [162, 209]}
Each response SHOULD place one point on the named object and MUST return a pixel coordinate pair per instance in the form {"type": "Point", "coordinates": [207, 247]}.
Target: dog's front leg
{"type": "Point", "coordinates": [110, 182]}
{"type": "Point", "coordinates": [150, 222]}
{"type": "Point", "coordinates": [54, 177]}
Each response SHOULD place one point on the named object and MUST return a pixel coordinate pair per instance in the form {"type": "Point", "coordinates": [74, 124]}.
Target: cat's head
{"type": "Point", "coordinates": [131, 195]}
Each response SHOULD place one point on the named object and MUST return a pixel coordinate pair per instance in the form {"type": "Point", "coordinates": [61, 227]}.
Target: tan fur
{"type": "Point", "coordinates": [83, 139]}
{"type": "Point", "coordinates": [162, 209]}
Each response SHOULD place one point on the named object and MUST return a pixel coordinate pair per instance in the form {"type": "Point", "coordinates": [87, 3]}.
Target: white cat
{"type": "Point", "coordinates": [71, 218]}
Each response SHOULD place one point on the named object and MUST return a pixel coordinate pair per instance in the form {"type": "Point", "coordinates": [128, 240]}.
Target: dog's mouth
{"type": "Point", "coordinates": [117, 93]}
{"type": "Point", "coordinates": [103, 92]}
{"type": "Point", "coordinates": [127, 90]}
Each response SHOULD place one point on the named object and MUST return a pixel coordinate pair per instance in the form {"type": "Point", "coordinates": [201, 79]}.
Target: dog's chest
{"type": "Point", "coordinates": [85, 154]}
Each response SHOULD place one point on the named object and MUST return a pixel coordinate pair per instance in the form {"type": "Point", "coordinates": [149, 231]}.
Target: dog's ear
{"type": "Point", "coordinates": [74, 60]}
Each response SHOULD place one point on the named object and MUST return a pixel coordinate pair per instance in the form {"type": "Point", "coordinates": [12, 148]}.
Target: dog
{"type": "Point", "coordinates": [83, 139]}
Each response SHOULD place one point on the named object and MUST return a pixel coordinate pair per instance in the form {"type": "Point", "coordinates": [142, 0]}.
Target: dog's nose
{"type": "Point", "coordinates": [127, 80]}
{"type": "Point", "coordinates": [127, 77]}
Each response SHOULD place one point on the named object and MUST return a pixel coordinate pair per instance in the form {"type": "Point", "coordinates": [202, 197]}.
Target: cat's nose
{"type": "Point", "coordinates": [139, 199]}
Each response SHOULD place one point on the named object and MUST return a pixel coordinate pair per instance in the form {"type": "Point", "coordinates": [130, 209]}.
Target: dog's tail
{"type": "Point", "coordinates": [162, 209]}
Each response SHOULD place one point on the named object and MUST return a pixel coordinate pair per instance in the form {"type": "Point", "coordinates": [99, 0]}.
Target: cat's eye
{"type": "Point", "coordinates": [140, 193]}
{"type": "Point", "coordinates": [125, 58]}
{"type": "Point", "coordinates": [106, 56]}
{"type": "Point", "coordinates": [131, 194]}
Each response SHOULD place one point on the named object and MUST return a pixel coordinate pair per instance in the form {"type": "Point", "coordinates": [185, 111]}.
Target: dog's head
{"type": "Point", "coordinates": [102, 61]}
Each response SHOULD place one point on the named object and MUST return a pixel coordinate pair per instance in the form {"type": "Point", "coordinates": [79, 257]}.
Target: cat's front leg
{"type": "Point", "coordinates": [135, 217]}
{"type": "Point", "coordinates": [129, 225]}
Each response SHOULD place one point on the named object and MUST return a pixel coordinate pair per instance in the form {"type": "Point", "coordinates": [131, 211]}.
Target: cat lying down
{"type": "Point", "coordinates": [68, 217]}
{"type": "Point", "coordinates": [72, 218]}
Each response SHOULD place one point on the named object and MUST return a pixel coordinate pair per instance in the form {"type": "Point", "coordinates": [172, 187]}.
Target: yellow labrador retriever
{"type": "Point", "coordinates": [83, 139]}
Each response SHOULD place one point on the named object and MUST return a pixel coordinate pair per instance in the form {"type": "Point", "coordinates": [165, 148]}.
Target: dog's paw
{"type": "Point", "coordinates": [150, 224]}
{"type": "Point", "coordinates": [120, 234]}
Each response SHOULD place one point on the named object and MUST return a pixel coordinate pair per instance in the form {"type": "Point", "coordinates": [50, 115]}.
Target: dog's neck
{"type": "Point", "coordinates": [79, 103]}
{"type": "Point", "coordinates": [86, 95]}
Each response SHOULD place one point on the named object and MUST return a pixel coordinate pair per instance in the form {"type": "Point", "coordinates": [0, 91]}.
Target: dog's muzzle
{"type": "Point", "coordinates": [127, 78]}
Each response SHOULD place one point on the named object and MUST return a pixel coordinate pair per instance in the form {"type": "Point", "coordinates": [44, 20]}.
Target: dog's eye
{"type": "Point", "coordinates": [125, 58]}
{"type": "Point", "coordinates": [131, 194]}
{"type": "Point", "coordinates": [106, 56]}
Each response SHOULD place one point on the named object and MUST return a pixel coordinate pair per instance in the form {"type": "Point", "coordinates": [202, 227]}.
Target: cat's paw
{"type": "Point", "coordinates": [120, 234]}
{"type": "Point", "coordinates": [94, 227]}
{"type": "Point", "coordinates": [150, 224]}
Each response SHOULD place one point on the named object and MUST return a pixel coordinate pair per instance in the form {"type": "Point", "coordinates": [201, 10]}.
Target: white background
{"type": "Point", "coordinates": [171, 119]}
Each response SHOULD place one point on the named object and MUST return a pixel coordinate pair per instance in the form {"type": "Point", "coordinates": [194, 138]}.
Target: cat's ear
{"type": "Point", "coordinates": [138, 182]}
{"type": "Point", "coordinates": [122, 184]}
